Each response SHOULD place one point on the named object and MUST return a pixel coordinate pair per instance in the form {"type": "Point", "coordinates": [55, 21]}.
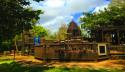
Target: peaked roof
{"type": "Point", "coordinates": [73, 26]}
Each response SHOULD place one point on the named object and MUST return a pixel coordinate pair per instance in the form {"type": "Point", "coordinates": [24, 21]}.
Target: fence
{"type": "Point", "coordinates": [117, 51]}
{"type": "Point", "coordinates": [68, 50]}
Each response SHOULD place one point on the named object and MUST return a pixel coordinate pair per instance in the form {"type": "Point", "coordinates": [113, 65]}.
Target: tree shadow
{"type": "Point", "coordinates": [19, 67]}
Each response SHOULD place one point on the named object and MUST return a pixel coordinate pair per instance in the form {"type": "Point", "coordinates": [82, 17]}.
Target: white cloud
{"type": "Point", "coordinates": [100, 8]}
{"type": "Point", "coordinates": [58, 11]}
{"type": "Point", "coordinates": [55, 23]}
{"type": "Point", "coordinates": [54, 3]}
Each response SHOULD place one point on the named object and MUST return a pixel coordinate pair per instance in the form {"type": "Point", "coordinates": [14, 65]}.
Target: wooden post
{"type": "Point", "coordinates": [44, 47]}
{"type": "Point", "coordinates": [14, 54]}
{"type": "Point", "coordinates": [118, 37]}
{"type": "Point", "coordinates": [102, 36]}
{"type": "Point", "coordinates": [45, 58]}
{"type": "Point", "coordinates": [16, 44]}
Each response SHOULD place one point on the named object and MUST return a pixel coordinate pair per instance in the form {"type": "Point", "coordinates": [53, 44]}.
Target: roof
{"type": "Point", "coordinates": [73, 30]}
{"type": "Point", "coordinates": [73, 26]}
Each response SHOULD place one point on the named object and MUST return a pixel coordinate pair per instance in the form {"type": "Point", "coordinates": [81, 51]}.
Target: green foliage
{"type": "Point", "coordinates": [116, 2]}
{"type": "Point", "coordinates": [39, 31]}
{"type": "Point", "coordinates": [61, 34]}
{"type": "Point", "coordinates": [51, 36]}
{"type": "Point", "coordinates": [113, 16]}
{"type": "Point", "coordinates": [85, 33]}
{"type": "Point", "coordinates": [14, 18]}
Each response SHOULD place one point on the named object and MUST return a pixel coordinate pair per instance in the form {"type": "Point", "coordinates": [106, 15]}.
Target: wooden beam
{"type": "Point", "coordinates": [118, 37]}
{"type": "Point", "coordinates": [102, 35]}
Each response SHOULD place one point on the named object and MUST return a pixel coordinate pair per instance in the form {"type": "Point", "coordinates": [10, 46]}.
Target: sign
{"type": "Point", "coordinates": [36, 40]}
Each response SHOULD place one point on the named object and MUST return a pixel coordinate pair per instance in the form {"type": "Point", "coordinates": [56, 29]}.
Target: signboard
{"type": "Point", "coordinates": [36, 40]}
{"type": "Point", "coordinates": [102, 50]}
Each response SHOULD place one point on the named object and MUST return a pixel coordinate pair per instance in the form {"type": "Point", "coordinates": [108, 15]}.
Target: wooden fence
{"type": "Point", "coordinates": [117, 51]}
{"type": "Point", "coordinates": [68, 50]}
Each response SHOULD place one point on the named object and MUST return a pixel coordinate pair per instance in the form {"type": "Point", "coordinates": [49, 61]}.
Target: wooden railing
{"type": "Point", "coordinates": [74, 49]}
{"type": "Point", "coordinates": [117, 49]}
{"type": "Point", "coordinates": [70, 51]}
{"type": "Point", "coordinates": [79, 51]}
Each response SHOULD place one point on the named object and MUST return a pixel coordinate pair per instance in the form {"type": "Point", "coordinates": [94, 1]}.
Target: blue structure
{"type": "Point", "coordinates": [36, 40]}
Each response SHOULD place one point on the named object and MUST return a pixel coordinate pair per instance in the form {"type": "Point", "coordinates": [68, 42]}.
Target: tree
{"type": "Point", "coordinates": [85, 33]}
{"type": "Point", "coordinates": [14, 18]}
{"type": "Point", "coordinates": [117, 2]}
{"type": "Point", "coordinates": [39, 31]}
{"type": "Point", "coordinates": [114, 15]}
{"type": "Point", "coordinates": [51, 36]}
{"type": "Point", "coordinates": [61, 34]}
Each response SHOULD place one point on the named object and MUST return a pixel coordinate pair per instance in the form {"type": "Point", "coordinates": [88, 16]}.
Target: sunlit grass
{"type": "Point", "coordinates": [10, 66]}
{"type": "Point", "coordinates": [76, 69]}
{"type": "Point", "coordinates": [6, 61]}
{"type": "Point", "coordinates": [7, 64]}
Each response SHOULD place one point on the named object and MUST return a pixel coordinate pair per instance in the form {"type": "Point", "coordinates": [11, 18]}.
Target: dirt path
{"type": "Point", "coordinates": [30, 60]}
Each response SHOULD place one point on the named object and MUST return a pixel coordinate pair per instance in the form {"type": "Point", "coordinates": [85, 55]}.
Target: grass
{"type": "Point", "coordinates": [11, 66]}
{"type": "Point", "coordinates": [81, 70]}
{"type": "Point", "coordinates": [6, 61]}
{"type": "Point", "coordinates": [16, 67]}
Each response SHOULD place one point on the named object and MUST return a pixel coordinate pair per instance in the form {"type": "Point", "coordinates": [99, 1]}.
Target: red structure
{"type": "Point", "coordinates": [73, 30]}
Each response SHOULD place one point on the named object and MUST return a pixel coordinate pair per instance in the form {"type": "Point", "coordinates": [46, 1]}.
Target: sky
{"type": "Point", "coordinates": [58, 12]}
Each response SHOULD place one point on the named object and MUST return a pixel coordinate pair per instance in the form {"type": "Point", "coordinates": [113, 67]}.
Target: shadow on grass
{"type": "Point", "coordinates": [17, 67]}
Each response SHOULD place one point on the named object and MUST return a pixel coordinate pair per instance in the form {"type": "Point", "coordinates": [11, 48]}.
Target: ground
{"type": "Point", "coordinates": [31, 61]}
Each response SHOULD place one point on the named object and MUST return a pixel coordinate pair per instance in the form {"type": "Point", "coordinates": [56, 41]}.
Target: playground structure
{"type": "Point", "coordinates": [105, 43]}
{"type": "Point", "coordinates": [76, 48]}
{"type": "Point", "coordinates": [72, 50]}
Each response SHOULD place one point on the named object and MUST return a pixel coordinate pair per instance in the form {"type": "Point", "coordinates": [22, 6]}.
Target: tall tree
{"type": "Point", "coordinates": [39, 31]}
{"type": "Point", "coordinates": [51, 36]}
{"type": "Point", "coordinates": [116, 2]}
{"type": "Point", "coordinates": [14, 18]}
{"type": "Point", "coordinates": [61, 34]}
{"type": "Point", "coordinates": [114, 15]}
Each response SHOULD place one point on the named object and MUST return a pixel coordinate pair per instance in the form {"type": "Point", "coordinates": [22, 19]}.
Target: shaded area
{"type": "Point", "coordinates": [17, 67]}
{"type": "Point", "coordinates": [30, 64]}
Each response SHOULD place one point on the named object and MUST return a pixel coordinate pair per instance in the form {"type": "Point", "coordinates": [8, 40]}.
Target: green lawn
{"type": "Point", "coordinates": [6, 61]}
{"type": "Point", "coordinates": [11, 66]}
{"type": "Point", "coordinates": [81, 70]}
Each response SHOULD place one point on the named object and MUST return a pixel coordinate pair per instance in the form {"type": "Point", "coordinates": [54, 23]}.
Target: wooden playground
{"type": "Point", "coordinates": [76, 48]}
{"type": "Point", "coordinates": [105, 43]}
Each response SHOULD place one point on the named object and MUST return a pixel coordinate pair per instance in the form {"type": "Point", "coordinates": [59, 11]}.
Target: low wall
{"type": "Point", "coordinates": [117, 51]}
{"type": "Point", "coordinates": [69, 51]}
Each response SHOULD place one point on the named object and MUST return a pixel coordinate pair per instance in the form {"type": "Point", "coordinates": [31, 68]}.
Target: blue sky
{"type": "Point", "coordinates": [57, 12]}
